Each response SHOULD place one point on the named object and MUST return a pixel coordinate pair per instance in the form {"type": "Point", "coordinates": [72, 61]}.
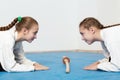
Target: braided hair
{"type": "Point", "coordinates": [19, 23]}
{"type": "Point", "coordinates": [90, 21]}
{"type": "Point", "coordinates": [9, 26]}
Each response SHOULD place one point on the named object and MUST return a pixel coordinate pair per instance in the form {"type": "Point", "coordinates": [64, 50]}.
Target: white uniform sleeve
{"type": "Point", "coordinates": [8, 61]}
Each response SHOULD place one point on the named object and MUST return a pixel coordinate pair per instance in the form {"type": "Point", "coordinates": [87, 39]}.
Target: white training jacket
{"type": "Point", "coordinates": [111, 44]}
{"type": "Point", "coordinates": [12, 56]}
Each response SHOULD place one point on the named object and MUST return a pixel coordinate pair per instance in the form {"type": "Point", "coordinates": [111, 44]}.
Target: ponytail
{"type": "Point", "coordinates": [111, 25]}
{"type": "Point", "coordinates": [90, 21]}
{"type": "Point", "coordinates": [9, 26]}
{"type": "Point", "coordinates": [20, 22]}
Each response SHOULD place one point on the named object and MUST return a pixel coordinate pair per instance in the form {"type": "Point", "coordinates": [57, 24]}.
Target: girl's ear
{"type": "Point", "coordinates": [24, 31]}
{"type": "Point", "coordinates": [92, 29]}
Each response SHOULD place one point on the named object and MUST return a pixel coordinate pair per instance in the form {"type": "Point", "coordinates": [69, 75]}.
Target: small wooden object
{"type": "Point", "coordinates": [66, 61]}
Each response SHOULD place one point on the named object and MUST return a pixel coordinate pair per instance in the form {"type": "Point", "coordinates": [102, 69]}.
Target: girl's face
{"type": "Point", "coordinates": [31, 34]}
{"type": "Point", "coordinates": [87, 35]}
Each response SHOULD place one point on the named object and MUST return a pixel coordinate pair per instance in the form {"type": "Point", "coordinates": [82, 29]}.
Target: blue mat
{"type": "Point", "coordinates": [57, 68]}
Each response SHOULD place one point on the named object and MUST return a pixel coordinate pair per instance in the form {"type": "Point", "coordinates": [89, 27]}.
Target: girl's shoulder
{"type": "Point", "coordinates": [113, 30]}
{"type": "Point", "coordinates": [7, 35]}
{"type": "Point", "coordinates": [111, 34]}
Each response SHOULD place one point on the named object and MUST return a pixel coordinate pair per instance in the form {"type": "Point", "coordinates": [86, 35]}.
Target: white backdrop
{"type": "Point", "coordinates": [59, 20]}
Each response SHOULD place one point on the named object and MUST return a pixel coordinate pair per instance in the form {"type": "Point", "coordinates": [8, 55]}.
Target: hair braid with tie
{"type": "Point", "coordinates": [9, 26]}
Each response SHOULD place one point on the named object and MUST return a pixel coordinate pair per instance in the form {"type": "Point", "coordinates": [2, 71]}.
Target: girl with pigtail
{"type": "Point", "coordinates": [12, 57]}
{"type": "Point", "coordinates": [92, 30]}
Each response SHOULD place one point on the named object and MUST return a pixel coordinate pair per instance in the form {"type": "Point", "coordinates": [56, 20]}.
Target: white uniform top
{"type": "Point", "coordinates": [111, 46]}
{"type": "Point", "coordinates": [11, 53]}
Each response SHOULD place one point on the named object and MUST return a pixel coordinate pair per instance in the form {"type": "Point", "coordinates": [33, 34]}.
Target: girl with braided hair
{"type": "Point", "coordinates": [12, 57]}
{"type": "Point", "coordinates": [92, 30]}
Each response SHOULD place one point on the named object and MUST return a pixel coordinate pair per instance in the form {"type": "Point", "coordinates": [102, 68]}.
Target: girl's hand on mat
{"type": "Point", "coordinates": [92, 66]}
{"type": "Point", "coordinates": [40, 67]}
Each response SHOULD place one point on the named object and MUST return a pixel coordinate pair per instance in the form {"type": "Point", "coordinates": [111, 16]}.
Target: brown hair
{"type": "Point", "coordinates": [26, 22]}
{"type": "Point", "coordinates": [90, 21]}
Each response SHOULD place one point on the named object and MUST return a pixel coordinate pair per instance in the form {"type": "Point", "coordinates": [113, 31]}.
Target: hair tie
{"type": "Point", "coordinates": [19, 18]}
